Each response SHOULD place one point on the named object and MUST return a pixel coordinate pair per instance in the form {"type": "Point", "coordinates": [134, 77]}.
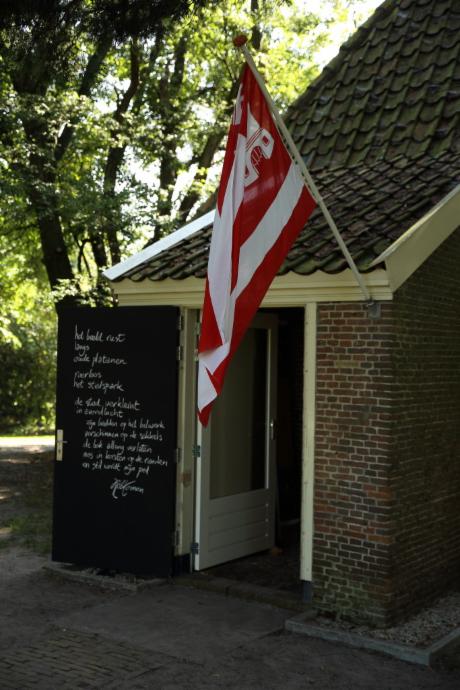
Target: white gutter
{"type": "Point", "coordinates": [148, 253]}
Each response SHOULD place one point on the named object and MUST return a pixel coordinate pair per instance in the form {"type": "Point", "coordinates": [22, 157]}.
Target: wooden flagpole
{"type": "Point", "coordinates": [240, 42]}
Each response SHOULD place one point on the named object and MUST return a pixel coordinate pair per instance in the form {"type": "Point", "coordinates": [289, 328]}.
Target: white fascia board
{"type": "Point", "coordinates": [143, 257]}
{"type": "Point", "coordinates": [409, 251]}
{"type": "Point", "coordinates": [289, 290]}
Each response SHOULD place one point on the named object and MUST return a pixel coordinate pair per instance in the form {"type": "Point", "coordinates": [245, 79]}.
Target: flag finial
{"type": "Point", "coordinates": [240, 40]}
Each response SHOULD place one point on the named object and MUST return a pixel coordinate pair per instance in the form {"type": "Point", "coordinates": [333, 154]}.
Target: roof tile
{"type": "Point", "coordinates": [371, 205]}
{"type": "Point", "coordinates": [406, 56]}
{"type": "Point", "coordinates": [380, 130]}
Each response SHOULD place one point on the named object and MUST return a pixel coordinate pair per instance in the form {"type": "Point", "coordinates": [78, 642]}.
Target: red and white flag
{"type": "Point", "coordinates": [262, 205]}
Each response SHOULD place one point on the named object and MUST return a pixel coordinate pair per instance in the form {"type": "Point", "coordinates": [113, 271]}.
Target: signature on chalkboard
{"type": "Point", "coordinates": [124, 487]}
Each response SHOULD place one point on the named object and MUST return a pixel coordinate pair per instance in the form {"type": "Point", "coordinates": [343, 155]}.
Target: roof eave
{"type": "Point", "coordinates": [402, 258]}
{"type": "Point", "coordinates": [141, 258]}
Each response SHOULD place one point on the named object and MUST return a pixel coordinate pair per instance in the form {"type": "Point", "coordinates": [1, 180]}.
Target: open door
{"type": "Point", "coordinates": [235, 508]}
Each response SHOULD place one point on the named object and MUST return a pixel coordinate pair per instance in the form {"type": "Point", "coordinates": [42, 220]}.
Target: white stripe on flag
{"type": "Point", "coordinates": [220, 258]}
{"type": "Point", "coordinates": [259, 243]}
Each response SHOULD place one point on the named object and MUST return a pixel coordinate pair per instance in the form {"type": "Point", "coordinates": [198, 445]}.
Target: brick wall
{"type": "Point", "coordinates": [387, 467]}
{"type": "Point", "coordinates": [426, 440]}
{"type": "Point", "coordinates": [353, 499]}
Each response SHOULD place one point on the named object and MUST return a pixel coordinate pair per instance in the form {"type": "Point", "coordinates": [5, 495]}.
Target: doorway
{"type": "Point", "coordinates": [235, 511]}
{"type": "Point", "coordinates": [276, 562]}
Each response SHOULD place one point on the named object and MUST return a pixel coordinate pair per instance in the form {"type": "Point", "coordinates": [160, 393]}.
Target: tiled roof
{"type": "Point", "coordinates": [380, 128]}
{"type": "Point", "coordinates": [394, 88]}
{"type": "Point", "coordinates": [371, 204]}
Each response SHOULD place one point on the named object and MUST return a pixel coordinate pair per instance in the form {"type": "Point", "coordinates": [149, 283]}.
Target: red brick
{"type": "Point", "coordinates": [387, 465]}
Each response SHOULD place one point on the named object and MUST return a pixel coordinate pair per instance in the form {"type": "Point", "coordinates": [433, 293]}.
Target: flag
{"type": "Point", "coordinates": [262, 205]}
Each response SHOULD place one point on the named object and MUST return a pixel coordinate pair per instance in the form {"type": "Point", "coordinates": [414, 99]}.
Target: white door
{"type": "Point", "coordinates": [235, 508]}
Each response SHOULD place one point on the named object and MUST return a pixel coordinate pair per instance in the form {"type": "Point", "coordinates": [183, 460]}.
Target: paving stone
{"type": "Point", "coordinates": [70, 659]}
{"type": "Point", "coordinates": [182, 623]}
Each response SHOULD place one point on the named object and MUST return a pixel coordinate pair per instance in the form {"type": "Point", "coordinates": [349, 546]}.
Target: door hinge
{"type": "Point", "coordinates": [179, 353]}
{"type": "Point", "coordinates": [176, 538]}
{"type": "Point", "coordinates": [196, 451]}
{"type": "Point", "coordinates": [180, 322]}
{"type": "Point", "coordinates": [197, 338]}
{"type": "Point", "coordinates": [178, 455]}
{"type": "Point", "coordinates": [194, 548]}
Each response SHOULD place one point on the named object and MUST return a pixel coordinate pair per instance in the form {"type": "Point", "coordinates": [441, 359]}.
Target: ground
{"type": "Point", "coordinates": [56, 633]}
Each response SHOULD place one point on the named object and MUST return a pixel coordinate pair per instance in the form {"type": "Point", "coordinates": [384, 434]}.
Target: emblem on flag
{"type": "Point", "coordinates": [263, 203]}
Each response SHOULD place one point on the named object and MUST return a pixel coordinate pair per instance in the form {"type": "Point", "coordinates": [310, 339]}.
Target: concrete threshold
{"type": "Point", "coordinates": [129, 583]}
{"type": "Point", "coordinates": [425, 656]}
{"type": "Point", "coordinates": [246, 591]}
{"type": "Point", "coordinates": [95, 577]}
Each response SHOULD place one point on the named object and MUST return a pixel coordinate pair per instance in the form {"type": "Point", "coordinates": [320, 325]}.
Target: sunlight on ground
{"type": "Point", "coordinates": [14, 441]}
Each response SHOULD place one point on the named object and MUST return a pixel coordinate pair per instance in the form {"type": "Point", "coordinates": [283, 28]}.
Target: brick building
{"type": "Point", "coordinates": [366, 399]}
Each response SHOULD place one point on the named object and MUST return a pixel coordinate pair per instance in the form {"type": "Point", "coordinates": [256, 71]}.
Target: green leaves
{"type": "Point", "coordinates": [113, 117]}
{"type": "Point", "coordinates": [113, 137]}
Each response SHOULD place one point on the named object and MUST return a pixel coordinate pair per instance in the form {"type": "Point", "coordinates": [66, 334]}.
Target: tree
{"type": "Point", "coordinates": [95, 91]}
{"type": "Point", "coordinates": [53, 58]}
{"type": "Point", "coordinates": [27, 341]}
{"type": "Point", "coordinates": [113, 115]}
{"type": "Point", "coordinates": [190, 104]}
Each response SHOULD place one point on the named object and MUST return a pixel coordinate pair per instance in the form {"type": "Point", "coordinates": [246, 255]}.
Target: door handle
{"type": "Point", "coordinates": [60, 445]}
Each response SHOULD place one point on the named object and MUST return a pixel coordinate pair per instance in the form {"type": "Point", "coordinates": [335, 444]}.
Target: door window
{"type": "Point", "coordinates": [238, 441]}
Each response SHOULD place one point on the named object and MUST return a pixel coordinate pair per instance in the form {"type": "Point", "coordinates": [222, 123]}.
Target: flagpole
{"type": "Point", "coordinates": [240, 42]}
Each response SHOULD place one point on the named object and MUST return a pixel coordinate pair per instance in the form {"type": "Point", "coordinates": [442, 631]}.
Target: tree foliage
{"type": "Point", "coordinates": [57, 58]}
{"type": "Point", "coordinates": [113, 115]}
{"type": "Point", "coordinates": [27, 343]}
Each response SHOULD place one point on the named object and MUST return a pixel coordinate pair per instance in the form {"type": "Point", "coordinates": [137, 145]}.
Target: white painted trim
{"type": "Point", "coordinates": [308, 444]}
{"type": "Point", "coordinates": [409, 251]}
{"type": "Point", "coordinates": [167, 242]}
{"type": "Point", "coordinates": [445, 202]}
{"type": "Point", "coordinates": [289, 290]}
{"type": "Point", "coordinates": [186, 428]}
{"type": "Point", "coordinates": [198, 493]}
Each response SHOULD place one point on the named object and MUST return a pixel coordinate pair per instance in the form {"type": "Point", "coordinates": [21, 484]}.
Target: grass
{"type": "Point", "coordinates": [33, 530]}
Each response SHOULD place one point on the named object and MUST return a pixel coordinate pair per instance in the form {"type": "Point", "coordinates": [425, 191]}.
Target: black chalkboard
{"type": "Point", "coordinates": [116, 406]}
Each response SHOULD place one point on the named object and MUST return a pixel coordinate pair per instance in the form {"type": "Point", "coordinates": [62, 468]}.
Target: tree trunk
{"type": "Point", "coordinates": [40, 181]}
